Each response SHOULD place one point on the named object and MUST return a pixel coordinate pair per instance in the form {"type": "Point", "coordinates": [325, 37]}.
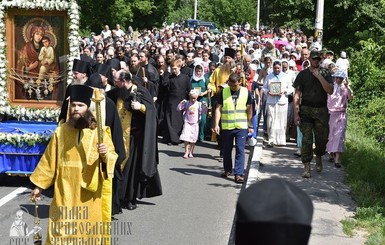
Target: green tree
{"type": "Point", "coordinates": [180, 9]}
{"type": "Point", "coordinates": [89, 10]}
{"type": "Point", "coordinates": [222, 12]}
{"type": "Point", "coordinates": [296, 14]}
{"type": "Point", "coordinates": [228, 12]}
{"type": "Point", "coordinates": [138, 13]}
{"type": "Point", "coordinates": [365, 20]}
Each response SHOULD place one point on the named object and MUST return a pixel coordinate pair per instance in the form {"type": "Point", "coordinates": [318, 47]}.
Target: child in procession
{"type": "Point", "coordinates": [337, 104]}
{"type": "Point", "coordinates": [192, 112]}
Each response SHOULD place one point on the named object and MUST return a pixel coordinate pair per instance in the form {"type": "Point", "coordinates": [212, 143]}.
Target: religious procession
{"type": "Point", "coordinates": [123, 97]}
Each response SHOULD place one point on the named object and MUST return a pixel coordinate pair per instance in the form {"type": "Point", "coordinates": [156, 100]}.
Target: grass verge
{"type": "Point", "coordinates": [364, 162]}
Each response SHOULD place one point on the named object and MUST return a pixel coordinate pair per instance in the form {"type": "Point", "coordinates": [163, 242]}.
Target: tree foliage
{"type": "Point", "coordinates": [346, 22]}
{"type": "Point", "coordinates": [296, 14]}
{"type": "Point", "coordinates": [368, 83]}
{"type": "Point", "coordinates": [356, 26]}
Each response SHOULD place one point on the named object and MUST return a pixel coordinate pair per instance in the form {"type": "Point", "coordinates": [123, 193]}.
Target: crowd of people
{"type": "Point", "coordinates": [191, 85]}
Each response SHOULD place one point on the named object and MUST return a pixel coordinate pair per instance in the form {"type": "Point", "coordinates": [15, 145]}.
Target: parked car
{"type": "Point", "coordinates": [198, 23]}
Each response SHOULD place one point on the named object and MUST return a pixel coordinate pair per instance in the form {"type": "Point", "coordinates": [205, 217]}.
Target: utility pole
{"type": "Point", "coordinates": [258, 11]}
{"type": "Point", "coordinates": [319, 21]}
{"type": "Point", "coordinates": [195, 9]}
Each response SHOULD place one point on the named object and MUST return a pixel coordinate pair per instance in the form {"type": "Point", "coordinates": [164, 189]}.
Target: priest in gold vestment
{"type": "Point", "coordinates": [216, 82]}
{"type": "Point", "coordinates": [76, 165]}
{"type": "Point", "coordinates": [222, 73]}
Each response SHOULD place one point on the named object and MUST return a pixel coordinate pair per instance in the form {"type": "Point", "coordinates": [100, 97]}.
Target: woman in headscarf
{"type": "Point", "coordinates": [276, 88]}
{"type": "Point", "coordinates": [337, 106]}
{"type": "Point", "coordinates": [199, 83]}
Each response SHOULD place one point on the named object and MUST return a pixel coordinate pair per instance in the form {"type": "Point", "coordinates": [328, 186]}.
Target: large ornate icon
{"type": "Point", "coordinates": [37, 70]}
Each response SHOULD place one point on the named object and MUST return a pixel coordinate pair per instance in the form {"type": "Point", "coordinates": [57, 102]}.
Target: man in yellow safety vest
{"type": "Point", "coordinates": [234, 109]}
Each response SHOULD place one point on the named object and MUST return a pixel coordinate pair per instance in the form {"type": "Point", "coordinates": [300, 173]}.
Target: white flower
{"type": "Point", "coordinates": [73, 22]}
{"type": "Point", "coordinates": [73, 27]}
{"type": "Point", "coordinates": [28, 114]}
{"type": "Point", "coordinates": [17, 112]}
{"type": "Point", "coordinates": [18, 138]}
{"type": "Point", "coordinates": [22, 111]}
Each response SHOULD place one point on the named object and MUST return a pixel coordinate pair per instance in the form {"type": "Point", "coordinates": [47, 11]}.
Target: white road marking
{"type": "Point", "coordinates": [12, 195]}
{"type": "Point", "coordinates": [253, 175]}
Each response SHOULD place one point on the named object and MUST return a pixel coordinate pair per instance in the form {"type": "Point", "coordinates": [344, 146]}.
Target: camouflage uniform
{"type": "Point", "coordinates": [315, 120]}
{"type": "Point", "coordinates": [314, 115]}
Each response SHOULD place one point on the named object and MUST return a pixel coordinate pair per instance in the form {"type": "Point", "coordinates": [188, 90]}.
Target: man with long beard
{"type": "Point", "coordinates": [137, 114]}
{"type": "Point", "coordinates": [134, 64]}
{"type": "Point", "coordinates": [222, 73]}
{"type": "Point", "coordinates": [76, 164]}
{"type": "Point", "coordinates": [110, 118]}
{"type": "Point", "coordinates": [81, 70]}
{"type": "Point", "coordinates": [148, 74]}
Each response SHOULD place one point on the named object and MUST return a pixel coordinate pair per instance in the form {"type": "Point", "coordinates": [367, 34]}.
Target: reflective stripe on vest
{"type": "Point", "coordinates": [234, 117]}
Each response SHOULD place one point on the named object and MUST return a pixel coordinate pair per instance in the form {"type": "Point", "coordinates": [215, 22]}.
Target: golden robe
{"type": "Point", "coordinates": [218, 78]}
{"type": "Point", "coordinates": [76, 214]}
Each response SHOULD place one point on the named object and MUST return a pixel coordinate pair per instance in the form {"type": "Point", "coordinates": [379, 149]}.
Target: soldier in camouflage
{"type": "Point", "coordinates": [310, 111]}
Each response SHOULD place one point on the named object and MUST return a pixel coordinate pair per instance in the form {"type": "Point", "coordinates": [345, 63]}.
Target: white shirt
{"type": "Point", "coordinates": [343, 64]}
{"type": "Point", "coordinates": [105, 33]}
{"type": "Point", "coordinates": [119, 33]}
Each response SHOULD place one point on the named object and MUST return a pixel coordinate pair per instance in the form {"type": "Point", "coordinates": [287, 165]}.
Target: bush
{"type": "Point", "coordinates": [364, 163]}
{"type": "Point", "coordinates": [368, 83]}
{"type": "Point", "coordinates": [367, 77]}
{"type": "Point", "coordinates": [373, 117]}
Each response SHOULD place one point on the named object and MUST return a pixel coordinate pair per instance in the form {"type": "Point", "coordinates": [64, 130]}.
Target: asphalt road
{"type": "Point", "coordinates": [197, 206]}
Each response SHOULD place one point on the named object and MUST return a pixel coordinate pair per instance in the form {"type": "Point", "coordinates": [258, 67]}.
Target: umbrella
{"type": "Point", "coordinates": [278, 43]}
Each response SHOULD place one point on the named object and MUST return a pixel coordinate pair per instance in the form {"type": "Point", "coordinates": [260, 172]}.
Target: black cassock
{"type": "Point", "coordinates": [140, 174]}
{"type": "Point", "coordinates": [160, 102]}
{"type": "Point", "coordinates": [112, 120]}
{"type": "Point", "coordinates": [153, 78]}
{"type": "Point", "coordinates": [178, 89]}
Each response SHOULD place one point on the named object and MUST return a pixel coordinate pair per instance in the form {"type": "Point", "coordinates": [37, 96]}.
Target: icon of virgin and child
{"type": "Point", "coordinates": [36, 61]}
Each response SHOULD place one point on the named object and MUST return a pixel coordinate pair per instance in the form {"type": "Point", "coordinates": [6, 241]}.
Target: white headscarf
{"type": "Point", "coordinates": [194, 76]}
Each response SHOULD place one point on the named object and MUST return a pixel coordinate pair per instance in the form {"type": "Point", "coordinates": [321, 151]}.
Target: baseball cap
{"type": "Point", "coordinates": [315, 54]}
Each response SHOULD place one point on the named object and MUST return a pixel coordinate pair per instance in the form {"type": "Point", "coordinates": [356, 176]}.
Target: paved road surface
{"type": "Point", "coordinates": [198, 206]}
{"type": "Point", "coordinates": [331, 197]}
